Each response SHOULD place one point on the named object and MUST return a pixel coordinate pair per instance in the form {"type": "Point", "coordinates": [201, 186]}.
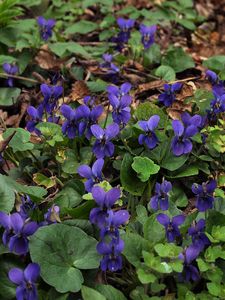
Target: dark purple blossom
{"type": "Point", "coordinates": [93, 175]}
{"type": "Point", "coordinates": [211, 76]}
{"type": "Point", "coordinates": [76, 120]}
{"type": "Point", "coordinates": [199, 238]}
{"type": "Point", "coordinates": [103, 145]}
{"type": "Point", "coordinates": [111, 252]}
{"type": "Point", "coordinates": [120, 101]}
{"type": "Point", "coordinates": [147, 35]}
{"type": "Point", "coordinates": [46, 27]}
{"type": "Point", "coordinates": [105, 201]}
{"type": "Point", "coordinates": [10, 69]}
{"type": "Point", "coordinates": [181, 143]}
{"type": "Point", "coordinates": [25, 281]}
{"type": "Point", "coordinates": [168, 97]}
{"type": "Point", "coordinates": [171, 226]}
{"type": "Point", "coordinates": [161, 200]}
{"type": "Point", "coordinates": [108, 64]}
{"type": "Point", "coordinates": [149, 138]}
{"type": "Point", "coordinates": [204, 194]}
{"type": "Point", "coordinates": [51, 95]}
{"type": "Point", "coordinates": [125, 29]}
{"type": "Point", "coordinates": [190, 271]}
{"type": "Point", "coordinates": [36, 115]}
{"type": "Point", "coordinates": [217, 105]}
{"type": "Point", "coordinates": [16, 232]}
{"type": "Point", "coordinates": [26, 207]}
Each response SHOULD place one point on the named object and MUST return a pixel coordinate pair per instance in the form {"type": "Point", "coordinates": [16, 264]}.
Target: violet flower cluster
{"type": "Point", "coordinates": [147, 35]}
{"type": "Point", "coordinates": [169, 96]}
{"type": "Point", "coordinates": [149, 138]}
{"type": "Point", "coordinates": [48, 105]}
{"type": "Point", "coordinates": [120, 101]}
{"type": "Point", "coordinates": [161, 199]}
{"type": "Point", "coordinates": [108, 221]}
{"type": "Point", "coordinates": [80, 120]}
{"type": "Point", "coordinates": [25, 281]}
{"type": "Point", "coordinates": [46, 27]}
{"type": "Point", "coordinates": [10, 69]}
{"type": "Point", "coordinates": [217, 104]}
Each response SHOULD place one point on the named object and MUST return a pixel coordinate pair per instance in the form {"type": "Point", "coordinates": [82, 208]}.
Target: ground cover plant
{"type": "Point", "coordinates": [112, 150]}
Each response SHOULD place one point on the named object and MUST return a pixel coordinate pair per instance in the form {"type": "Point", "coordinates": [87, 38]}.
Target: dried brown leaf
{"type": "Point", "coordinates": [46, 59]}
{"type": "Point", "coordinates": [79, 91]}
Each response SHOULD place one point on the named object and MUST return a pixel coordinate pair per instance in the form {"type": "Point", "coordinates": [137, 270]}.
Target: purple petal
{"type": "Point", "coordinates": [125, 101]}
{"type": "Point", "coordinates": [211, 186]}
{"type": "Point", "coordinates": [120, 217]}
{"type": "Point", "coordinates": [200, 225]}
{"type": "Point", "coordinates": [97, 167]}
{"type": "Point", "coordinates": [163, 219]}
{"type": "Point", "coordinates": [166, 186]}
{"type": "Point", "coordinates": [153, 122]}
{"type": "Point", "coordinates": [6, 67]}
{"type": "Point", "coordinates": [30, 228]}
{"type": "Point", "coordinates": [85, 171]}
{"type": "Point", "coordinates": [19, 245]}
{"type": "Point", "coordinates": [5, 220]}
{"type": "Point", "coordinates": [154, 202]}
{"type": "Point", "coordinates": [191, 253]}
{"type": "Point", "coordinates": [178, 220]}
{"type": "Point", "coordinates": [51, 23]}
{"type": "Point", "coordinates": [104, 248]}
{"type": "Point", "coordinates": [143, 125]}
{"type": "Point", "coordinates": [114, 101]}
{"type": "Point", "coordinates": [164, 204]}
{"type": "Point", "coordinates": [41, 21]}
{"type": "Point", "coordinates": [112, 89]}
{"type": "Point", "coordinates": [125, 88]}
{"type": "Point", "coordinates": [16, 275]}
{"type": "Point", "coordinates": [111, 131]}
{"type": "Point", "coordinates": [178, 127]}
{"type": "Point", "coordinates": [111, 197]}
{"type": "Point", "coordinates": [97, 131]}
{"type": "Point", "coordinates": [46, 90]}
{"type": "Point", "coordinates": [177, 146]}
{"type": "Point", "coordinates": [32, 272]}
{"type": "Point", "coordinates": [187, 146]}
{"type": "Point", "coordinates": [99, 195]}
{"type": "Point", "coordinates": [109, 149]}
{"type": "Point", "coordinates": [176, 87]}
{"type": "Point", "coordinates": [17, 222]}
{"type": "Point", "coordinates": [190, 131]}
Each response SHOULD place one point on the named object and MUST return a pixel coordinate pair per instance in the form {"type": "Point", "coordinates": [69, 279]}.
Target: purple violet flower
{"type": "Point", "coordinates": [147, 35]}
{"type": "Point", "coordinates": [26, 207]}
{"type": "Point", "coordinates": [103, 145]}
{"type": "Point", "coordinates": [16, 232]}
{"type": "Point", "coordinates": [188, 120]}
{"type": "Point", "coordinates": [181, 143]}
{"type": "Point", "coordinates": [161, 200]}
{"type": "Point", "coordinates": [51, 95]}
{"type": "Point", "coordinates": [149, 138]}
{"type": "Point", "coordinates": [120, 101]}
{"type": "Point", "coordinates": [93, 175]}
{"type": "Point", "coordinates": [105, 201]}
{"type": "Point", "coordinates": [171, 226]}
{"type": "Point", "coordinates": [36, 115]}
{"type": "Point", "coordinates": [10, 69]}
{"type": "Point", "coordinates": [25, 281]}
{"type": "Point", "coordinates": [125, 29]}
{"type": "Point", "coordinates": [190, 272]}
{"type": "Point", "coordinates": [217, 104]}
{"type": "Point", "coordinates": [204, 194]}
{"type": "Point", "coordinates": [76, 120]}
{"type": "Point", "coordinates": [46, 27]}
{"type": "Point", "coordinates": [211, 76]}
{"type": "Point", "coordinates": [168, 97]}
{"type": "Point", "coordinates": [199, 238]}
{"type": "Point", "coordinates": [111, 252]}
{"type": "Point", "coordinates": [107, 64]}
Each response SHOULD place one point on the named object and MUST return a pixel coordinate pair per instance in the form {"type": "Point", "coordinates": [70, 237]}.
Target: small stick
{"type": "Point", "coordinates": [4, 75]}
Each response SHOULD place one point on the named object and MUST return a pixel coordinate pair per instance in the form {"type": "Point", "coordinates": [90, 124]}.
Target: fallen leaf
{"type": "Point", "coordinates": [150, 85]}
{"type": "Point", "coordinates": [79, 91]}
{"type": "Point", "coordinates": [46, 59]}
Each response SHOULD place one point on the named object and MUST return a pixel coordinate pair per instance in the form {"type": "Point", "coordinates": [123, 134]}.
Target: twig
{"type": "Point", "coordinates": [4, 75]}
{"type": "Point", "coordinates": [183, 80]}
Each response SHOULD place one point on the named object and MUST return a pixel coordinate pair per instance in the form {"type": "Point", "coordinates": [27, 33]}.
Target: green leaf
{"type": "Point", "coordinates": [145, 110]}
{"type": "Point", "coordinates": [177, 59]}
{"type": "Point", "coordinates": [70, 195]}
{"type": "Point", "coordinates": [186, 23]}
{"type": "Point", "coordinates": [134, 245]}
{"type": "Point", "coordinates": [144, 167]}
{"type": "Point", "coordinates": [215, 63]}
{"type": "Point", "coordinates": [7, 196]}
{"type": "Point", "coordinates": [51, 131]}
{"type": "Point", "coordinates": [41, 179]}
{"type": "Point", "coordinates": [67, 48]}
{"type": "Point", "coordinates": [153, 230]}
{"type": "Point", "coordinates": [81, 27]}
{"type": "Point", "coordinates": [21, 139]}
{"type": "Point", "coordinates": [145, 277]}
{"type": "Point", "coordinates": [186, 172]}
{"type": "Point", "coordinates": [97, 86]}
{"type": "Point", "coordinates": [203, 266]}
{"type": "Point", "coordinates": [61, 251]}
{"type": "Point", "coordinates": [218, 233]}
{"type": "Point", "coordinates": [128, 177]}
{"type": "Point", "coordinates": [91, 294]}
{"type": "Point", "coordinates": [172, 162]}
{"type": "Point", "coordinates": [155, 263]}
{"type": "Point", "coordinates": [166, 72]}
{"type": "Point", "coordinates": [7, 58]}
{"type": "Point", "coordinates": [152, 55]}
{"type": "Point", "coordinates": [9, 96]}
{"type": "Point", "coordinates": [110, 292]}
{"type": "Point", "coordinates": [202, 98]}
{"type": "Point", "coordinates": [178, 196]}
{"type": "Point", "coordinates": [168, 250]}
